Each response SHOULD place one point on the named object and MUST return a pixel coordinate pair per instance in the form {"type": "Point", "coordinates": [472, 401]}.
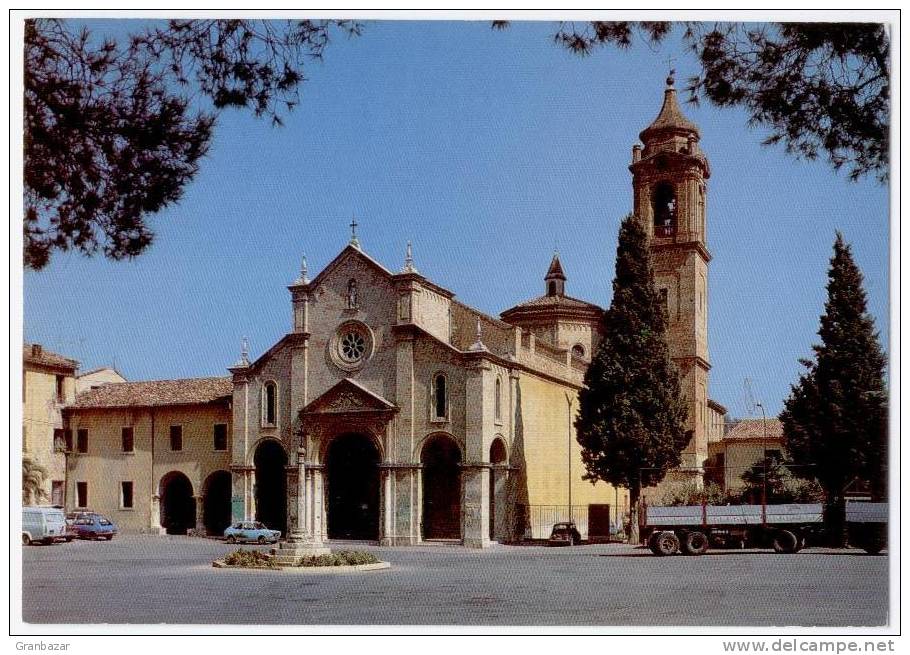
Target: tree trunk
{"type": "Point", "coordinates": [634, 498]}
{"type": "Point", "coordinates": [836, 521]}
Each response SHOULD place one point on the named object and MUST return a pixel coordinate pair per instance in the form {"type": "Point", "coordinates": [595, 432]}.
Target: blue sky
{"type": "Point", "coordinates": [486, 149]}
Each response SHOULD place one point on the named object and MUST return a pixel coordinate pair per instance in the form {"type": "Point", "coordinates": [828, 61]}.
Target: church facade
{"type": "Point", "coordinates": [393, 412]}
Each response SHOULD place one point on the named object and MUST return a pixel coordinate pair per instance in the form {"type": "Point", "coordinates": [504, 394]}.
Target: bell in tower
{"type": "Point", "coordinates": [669, 171]}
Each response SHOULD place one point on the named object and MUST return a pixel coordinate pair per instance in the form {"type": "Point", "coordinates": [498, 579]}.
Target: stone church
{"type": "Point", "coordinates": [391, 411]}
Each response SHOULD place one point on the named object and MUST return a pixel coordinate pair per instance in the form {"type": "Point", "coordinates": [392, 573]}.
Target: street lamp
{"type": "Point", "coordinates": [569, 402]}
{"type": "Point", "coordinates": [764, 479]}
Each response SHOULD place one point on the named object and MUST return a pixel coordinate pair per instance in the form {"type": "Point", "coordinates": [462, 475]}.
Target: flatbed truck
{"type": "Point", "coordinates": [693, 529]}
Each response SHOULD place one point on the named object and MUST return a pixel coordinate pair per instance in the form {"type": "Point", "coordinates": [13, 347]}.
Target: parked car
{"type": "Point", "coordinates": [87, 525]}
{"type": "Point", "coordinates": [44, 524]}
{"type": "Point", "coordinates": [251, 531]}
{"type": "Point", "coordinates": [565, 533]}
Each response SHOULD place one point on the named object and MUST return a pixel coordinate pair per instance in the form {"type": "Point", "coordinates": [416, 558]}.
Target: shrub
{"type": "Point", "coordinates": [689, 493]}
{"type": "Point", "coordinates": [341, 558]}
{"type": "Point", "coordinates": [249, 559]}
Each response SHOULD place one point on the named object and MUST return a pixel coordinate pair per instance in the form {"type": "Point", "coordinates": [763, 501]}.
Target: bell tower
{"type": "Point", "coordinates": [669, 176]}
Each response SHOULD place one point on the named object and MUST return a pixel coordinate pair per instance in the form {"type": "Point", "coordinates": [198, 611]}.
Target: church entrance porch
{"type": "Point", "coordinates": [441, 489]}
{"type": "Point", "coordinates": [178, 507]}
{"type": "Point", "coordinates": [271, 485]}
{"type": "Point", "coordinates": [353, 488]}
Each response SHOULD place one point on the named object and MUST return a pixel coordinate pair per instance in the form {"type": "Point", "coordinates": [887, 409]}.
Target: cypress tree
{"type": "Point", "coordinates": [631, 416]}
{"type": "Point", "coordinates": [835, 421]}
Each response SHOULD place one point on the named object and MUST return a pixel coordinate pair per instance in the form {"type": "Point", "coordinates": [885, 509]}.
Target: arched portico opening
{"type": "Point", "coordinates": [353, 488]}
{"type": "Point", "coordinates": [216, 504]}
{"type": "Point", "coordinates": [441, 457]}
{"type": "Point", "coordinates": [497, 487]}
{"type": "Point", "coordinates": [178, 507]}
{"type": "Point", "coordinates": [271, 485]}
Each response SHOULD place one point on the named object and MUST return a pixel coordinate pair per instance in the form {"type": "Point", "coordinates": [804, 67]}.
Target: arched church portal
{"type": "Point", "coordinates": [441, 488]}
{"type": "Point", "coordinates": [216, 505]}
{"type": "Point", "coordinates": [352, 467]}
{"type": "Point", "coordinates": [178, 507]}
{"type": "Point", "coordinates": [271, 485]}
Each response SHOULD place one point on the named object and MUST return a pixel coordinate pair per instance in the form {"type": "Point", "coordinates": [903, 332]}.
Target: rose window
{"type": "Point", "coordinates": [353, 346]}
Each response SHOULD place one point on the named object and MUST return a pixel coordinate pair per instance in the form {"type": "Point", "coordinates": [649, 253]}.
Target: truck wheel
{"type": "Point", "coordinates": [785, 542]}
{"type": "Point", "coordinates": [666, 543]}
{"type": "Point", "coordinates": [652, 542]}
{"type": "Point", "coordinates": [26, 541]}
{"type": "Point", "coordinates": [695, 543]}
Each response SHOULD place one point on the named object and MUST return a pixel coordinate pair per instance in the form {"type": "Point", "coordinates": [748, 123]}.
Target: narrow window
{"type": "Point", "coordinates": [61, 394]}
{"type": "Point", "coordinates": [126, 439]}
{"type": "Point", "coordinates": [440, 403]}
{"type": "Point", "coordinates": [663, 203]}
{"type": "Point", "coordinates": [220, 436]}
{"type": "Point", "coordinates": [59, 440]}
{"type": "Point", "coordinates": [68, 440]}
{"type": "Point", "coordinates": [126, 495]}
{"type": "Point", "coordinates": [176, 438]}
{"type": "Point", "coordinates": [82, 494]}
{"type": "Point", "coordinates": [665, 300]}
{"type": "Point", "coordinates": [82, 440]}
{"type": "Point", "coordinates": [497, 400]}
{"type": "Point", "coordinates": [269, 403]}
{"type": "Point", "coordinates": [57, 492]}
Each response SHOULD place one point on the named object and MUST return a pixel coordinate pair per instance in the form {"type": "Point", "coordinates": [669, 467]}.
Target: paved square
{"type": "Point", "coordinates": [150, 579]}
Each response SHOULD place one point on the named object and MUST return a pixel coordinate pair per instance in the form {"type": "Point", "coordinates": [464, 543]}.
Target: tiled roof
{"type": "Point", "coordinates": [754, 428]}
{"type": "Point", "coordinates": [33, 353]}
{"type": "Point", "coordinates": [194, 391]}
{"type": "Point", "coordinates": [548, 303]}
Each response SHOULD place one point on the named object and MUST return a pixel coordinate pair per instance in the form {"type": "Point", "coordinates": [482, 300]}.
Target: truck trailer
{"type": "Point", "coordinates": [693, 529]}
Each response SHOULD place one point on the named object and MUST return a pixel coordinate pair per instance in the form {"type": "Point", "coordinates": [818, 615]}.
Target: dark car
{"type": "Point", "coordinates": [88, 525]}
{"type": "Point", "coordinates": [565, 534]}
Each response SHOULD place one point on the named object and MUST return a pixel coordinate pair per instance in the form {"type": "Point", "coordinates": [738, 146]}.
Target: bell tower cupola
{"type": "Point", "coordinates": [555, 279]}
{"type": "Point", "coordinates": [669, 175]}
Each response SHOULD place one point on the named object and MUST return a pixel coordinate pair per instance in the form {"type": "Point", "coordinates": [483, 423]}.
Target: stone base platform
{"type": "Point", "coordinates": [291, 552]}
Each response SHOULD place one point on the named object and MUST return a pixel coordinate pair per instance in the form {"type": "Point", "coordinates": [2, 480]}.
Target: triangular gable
{"type": "Point", "coordinates": [349, 251]}
{"type": "Point", "coordinates": [349, 397]}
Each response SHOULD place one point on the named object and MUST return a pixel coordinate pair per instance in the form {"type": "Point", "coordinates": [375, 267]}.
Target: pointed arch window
{"type": "Point", "coordinates": [269, 404]}
{"type": "Point", "coordinates": [440, 397]}
{"type": "Point", "coordinates": [663, 204]}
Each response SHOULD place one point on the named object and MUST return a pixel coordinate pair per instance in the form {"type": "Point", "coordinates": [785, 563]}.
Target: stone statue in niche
{"type": "Point", "coordinates": [352, 294]}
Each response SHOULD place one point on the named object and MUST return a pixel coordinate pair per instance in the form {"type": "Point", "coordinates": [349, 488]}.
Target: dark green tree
{"type": "Point", "coordinates": [631, 415]}
{"type": "Point", "coordinates": [835, 421]}
{"type": "Point", "coordinates": [115, 130]}
{"type": "Point", "coordinates": [820, 88]}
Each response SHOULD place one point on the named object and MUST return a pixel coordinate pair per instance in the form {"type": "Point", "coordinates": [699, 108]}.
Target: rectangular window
{"type": "Point", "coordinates": [82, 440]}
{"type": "Point", "coordinates": [59, 440]}
{"type": "Point", "coordinates": [126, 439]}
{"type": "Point", "coordinates": [126, 495]}
{"type": "Point", "coordinates": [61, 393]}
{"type": "Point", "coordinates": [220, 436]}
{"type": "Point", "coordinates": [82, 494]}
{"type": "Point", "coordinates": [176, 437]}
{"type": "Point", "coordinates": [665, 300]}
{"type": "Point", "coordinates": [57, 492]}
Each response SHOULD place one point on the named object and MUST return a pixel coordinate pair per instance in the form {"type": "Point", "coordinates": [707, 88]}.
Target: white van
{"type": "Point", "coordinates": [44, 524]}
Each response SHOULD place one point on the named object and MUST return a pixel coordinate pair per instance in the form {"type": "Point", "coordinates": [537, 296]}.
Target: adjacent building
{"type": "Point", "coordinates": [48, 384]}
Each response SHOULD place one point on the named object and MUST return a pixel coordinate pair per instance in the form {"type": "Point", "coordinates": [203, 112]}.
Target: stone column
{"type": "Point", "coordinates": [500, 474]}
{"type": "Point", "coordinates": [476, 504]}
{"type": "Point", "coordinates": [303, 541]}
{"type": "Point", "coordinates": [250, 484]}
{"type": "Point", "coordinates": [200, 512]}
{"type": "Point", "coordinates": [155, 515]}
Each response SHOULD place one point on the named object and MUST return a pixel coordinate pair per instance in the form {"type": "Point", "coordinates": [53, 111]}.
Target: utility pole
{"type": "Point", "coordinates": [764, 479]}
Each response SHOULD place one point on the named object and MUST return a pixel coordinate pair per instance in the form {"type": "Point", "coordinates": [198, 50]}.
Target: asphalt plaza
{"type": "Point", "coordinates": [169, 579]}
